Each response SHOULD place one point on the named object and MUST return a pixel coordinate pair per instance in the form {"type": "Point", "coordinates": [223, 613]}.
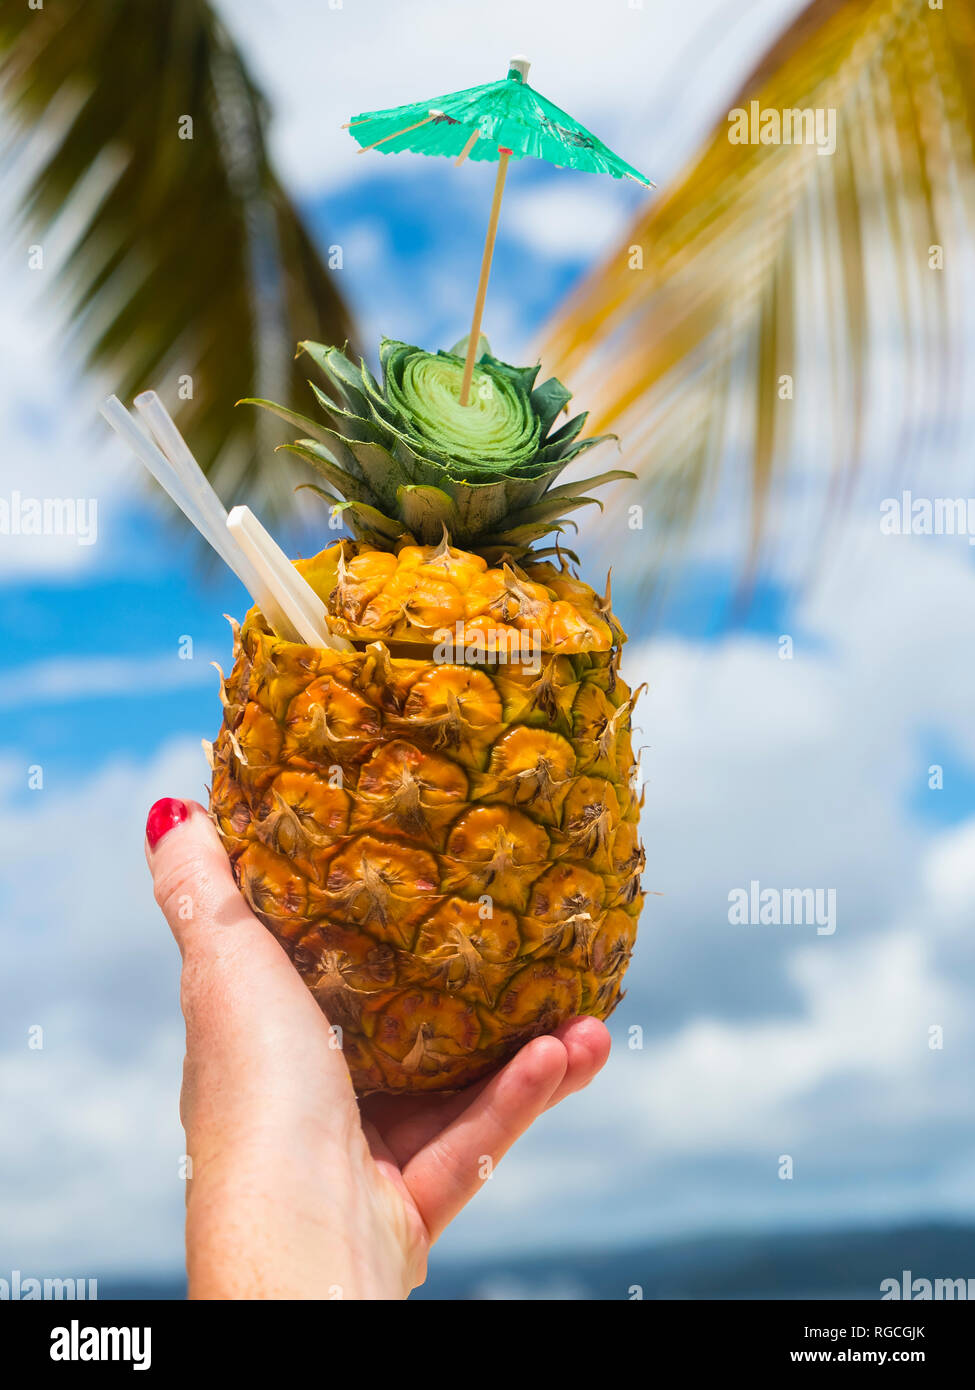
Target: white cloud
{"type": "Point", "coordinates": [568, 221]}
{"type": "Point", "coordinates": [724, 1088]}
{"type": "Point", "coordinates": [89, 1175]}
{"type": "Point", "coordinates": [55, 445]}
{"type": "Point", "coordinates": [949, 871]}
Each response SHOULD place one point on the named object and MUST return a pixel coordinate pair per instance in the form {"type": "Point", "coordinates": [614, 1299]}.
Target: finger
{"type": "Point", "coordinates": [587, 1042]}
{"type": "Point", "coordinates": [449, 1170]}
{"type": "Point", "coordinates": [406, 1123]}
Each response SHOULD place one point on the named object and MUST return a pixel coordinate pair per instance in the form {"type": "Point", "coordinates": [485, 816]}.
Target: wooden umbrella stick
{"type": "Point", "coordinates": [492, 232]}
{"type": "Point", "coordinates": [467, 149]}
{"type": "Point", "coordinates": [397, 133]}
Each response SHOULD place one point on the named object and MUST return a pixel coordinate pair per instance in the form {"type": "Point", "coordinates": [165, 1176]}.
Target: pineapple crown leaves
{"type": "Point", "coordinates": [403, 459]}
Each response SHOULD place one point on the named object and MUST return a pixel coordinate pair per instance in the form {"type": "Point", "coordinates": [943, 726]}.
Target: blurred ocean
{"type": "Point", "coordinates": [800, 1265]}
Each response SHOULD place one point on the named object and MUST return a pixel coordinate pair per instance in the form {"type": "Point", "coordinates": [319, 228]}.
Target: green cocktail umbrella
{"type": "Point", "coordinates": [498, 121]}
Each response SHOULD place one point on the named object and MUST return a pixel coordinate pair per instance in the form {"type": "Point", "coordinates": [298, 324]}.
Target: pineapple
{"type": "Point", "coordinates": [439, 824]}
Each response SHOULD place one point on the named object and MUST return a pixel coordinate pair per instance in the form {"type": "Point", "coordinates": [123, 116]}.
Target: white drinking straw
{"type": "Point", "coordinates": [168, 479]}
{"type": "Point", "coordinates": [291, 606]}
{"type": "Point", "coordinates": [185, 466]}
{"type": "Point", "coordinates": [242, 519]}
{"type": "Point", "coordinates": [302, 606]}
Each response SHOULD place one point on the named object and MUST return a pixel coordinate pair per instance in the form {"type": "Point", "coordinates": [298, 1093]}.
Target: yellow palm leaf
{"type": "Point", "coordinates": [709, 300]}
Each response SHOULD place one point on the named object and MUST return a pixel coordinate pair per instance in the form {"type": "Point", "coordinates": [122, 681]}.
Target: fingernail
{"type": "Point", "coordinates": [166, 814]}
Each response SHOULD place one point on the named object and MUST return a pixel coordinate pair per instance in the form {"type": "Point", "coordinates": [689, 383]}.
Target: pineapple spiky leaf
{"type": "Point", "coordinates": [426, 511]}
{"type": "Point", "coordinates": [572, 489]}
{"type": "Point", "coordinates": [370, 525]}
{"type": "Point", "coordinates": [345, 483]}
{"type": "Point", "coordinates": [548, 402]}
{"type": "Point", "coordinates": [292, 417]}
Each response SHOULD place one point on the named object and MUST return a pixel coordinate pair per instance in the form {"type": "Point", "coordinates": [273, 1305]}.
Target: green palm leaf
{"type": "Point", "coordinates": [190, 269]}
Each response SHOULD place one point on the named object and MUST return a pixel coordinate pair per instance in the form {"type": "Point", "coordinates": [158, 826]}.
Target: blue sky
{"type": "Point", "coordinates": [812, 771]}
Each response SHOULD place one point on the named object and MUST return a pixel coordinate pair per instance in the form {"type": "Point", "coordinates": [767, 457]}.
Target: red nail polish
{"type": "Point", "coordinates": [166, 814]}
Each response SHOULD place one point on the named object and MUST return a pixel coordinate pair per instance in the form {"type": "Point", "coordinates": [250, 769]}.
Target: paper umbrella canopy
{"type": "Point", "coordinates": [498, 121]}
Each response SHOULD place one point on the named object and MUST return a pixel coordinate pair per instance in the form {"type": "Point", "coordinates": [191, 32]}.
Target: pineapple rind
{"type": "Point", "coordinates": [449, 852]}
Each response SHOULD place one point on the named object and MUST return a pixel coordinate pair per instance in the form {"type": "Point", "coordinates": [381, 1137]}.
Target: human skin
{"type": "Point", "coordinates": [298, 1190]}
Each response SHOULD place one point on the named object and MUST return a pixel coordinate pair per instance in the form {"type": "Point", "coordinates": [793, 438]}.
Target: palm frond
{"type": "Point", "coordinates": [190, 269]}
{"type": "Point", "coordinates": [681, 338]}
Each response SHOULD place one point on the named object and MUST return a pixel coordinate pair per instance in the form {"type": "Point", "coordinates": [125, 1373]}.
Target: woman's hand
{"type": "Point", "coordinates": [298, 1190]}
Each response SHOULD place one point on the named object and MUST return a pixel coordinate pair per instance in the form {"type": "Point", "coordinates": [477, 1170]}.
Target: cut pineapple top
{"type": "Point", "coordinates": [427, 595]}
{"type": "Point", "coordinates": [403, 461]}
